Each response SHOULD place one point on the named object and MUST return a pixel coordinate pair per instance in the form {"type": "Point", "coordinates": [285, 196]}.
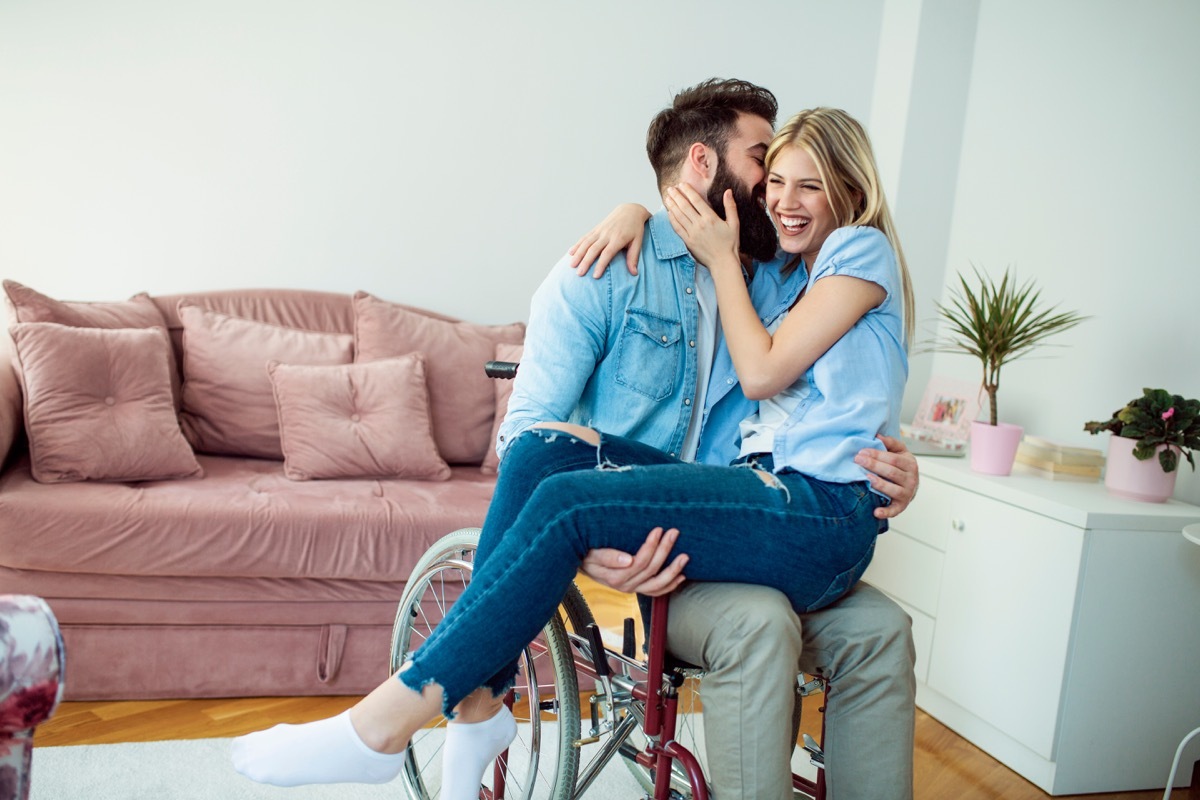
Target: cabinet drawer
{"type": "Point", "coordinates": [907, 569]}
{"type": "Point", "coordinates": [925, 518]}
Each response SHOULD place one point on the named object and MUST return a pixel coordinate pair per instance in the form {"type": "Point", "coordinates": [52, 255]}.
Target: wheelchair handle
{"type": "Point", "coordinates": [506, 370]}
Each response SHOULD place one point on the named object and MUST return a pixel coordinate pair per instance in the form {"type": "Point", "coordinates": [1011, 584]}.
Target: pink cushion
{"type": "Point", "coordinates": [357, 420]}
{"type": "Point", "coordinates": [502, 390]}
{"type": "Point", "coordinates": [26, 305]}
{"type": "Point", "coordinates": [228, 403]}
{"type": "Point", "coordinates": [98, 404]}
{"type": "Point", "coordinates": [461, 396]}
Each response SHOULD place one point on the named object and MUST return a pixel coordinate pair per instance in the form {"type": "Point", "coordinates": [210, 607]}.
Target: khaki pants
{"type": "Point", "coordinates": [751, 643]}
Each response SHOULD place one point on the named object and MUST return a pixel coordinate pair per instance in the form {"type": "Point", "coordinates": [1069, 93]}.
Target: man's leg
{"type": "Point", "coordinates": [748, 639]}
{"type": "Point", "coordinates": [863, 645]}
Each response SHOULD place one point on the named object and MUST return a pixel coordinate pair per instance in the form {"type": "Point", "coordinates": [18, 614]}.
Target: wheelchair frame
{"type": "Point", "coordinates": [628, 698]}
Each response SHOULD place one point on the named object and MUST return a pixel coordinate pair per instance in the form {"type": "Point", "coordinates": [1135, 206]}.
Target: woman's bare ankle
{"type": "Point", "coordinates": [387, 717]}
{"type": "Point", "coordinates": [478, 706]}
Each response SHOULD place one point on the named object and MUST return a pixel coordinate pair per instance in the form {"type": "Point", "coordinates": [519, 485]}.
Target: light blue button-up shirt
{"type": "Point", "coordinates": [615, 354]}
{"type": "Point", "coordinates": [854, 390]}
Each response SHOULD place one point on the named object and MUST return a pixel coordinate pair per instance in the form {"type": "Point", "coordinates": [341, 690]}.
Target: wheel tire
{"type": "Point", "coordinates": [543, 749]}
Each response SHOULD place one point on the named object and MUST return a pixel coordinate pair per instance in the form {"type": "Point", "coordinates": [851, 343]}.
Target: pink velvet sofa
{"type": "Point", "coordinates": [241, 545]}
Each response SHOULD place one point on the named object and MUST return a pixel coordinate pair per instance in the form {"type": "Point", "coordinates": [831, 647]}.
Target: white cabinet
{"type": "Point", "coordinates": [1055, 625]}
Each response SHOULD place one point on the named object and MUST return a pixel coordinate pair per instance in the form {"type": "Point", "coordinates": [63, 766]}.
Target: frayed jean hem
{"type": "Point", "coordinates": [449, 703]}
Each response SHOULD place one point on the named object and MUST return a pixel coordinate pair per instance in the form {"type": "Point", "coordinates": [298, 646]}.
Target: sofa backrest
{"type": "Point", "coordinates": [292, 308]}
{"type": "Point", "coordinates": [11, 423]}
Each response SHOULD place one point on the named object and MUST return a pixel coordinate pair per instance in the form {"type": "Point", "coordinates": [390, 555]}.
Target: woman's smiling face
{"type": "Point", "coordinates": [798, 204]}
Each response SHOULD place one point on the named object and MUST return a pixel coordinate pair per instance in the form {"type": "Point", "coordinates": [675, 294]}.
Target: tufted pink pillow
{"type": "Point", "coordinates": [228, 403]}
{"type": "Point", "coordinates": [26, 305]}
{"type": "Point", "coordinates": [98, 404]}
{"type": "Point", "coordinates": [357, 420]}
{"type": "Point", "coordinates": [502, 390]}
{"type": "Point", "coordinates": [462, 398]}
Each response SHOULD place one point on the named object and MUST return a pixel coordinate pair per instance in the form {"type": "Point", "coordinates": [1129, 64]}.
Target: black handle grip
{"type": "Point", "coordinates": [628, 640]}
{"type": "Point", "coordinates": [599, 656]}
{"type": "Point", "coordinates": [506, 370]}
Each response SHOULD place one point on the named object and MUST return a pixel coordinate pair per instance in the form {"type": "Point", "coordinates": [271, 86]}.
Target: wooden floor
{"type": "Point", "coordinates": [947, 766]}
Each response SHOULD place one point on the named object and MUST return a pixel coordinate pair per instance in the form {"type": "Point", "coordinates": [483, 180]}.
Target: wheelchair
{"type": "Point", "coordinates": [632, 705]}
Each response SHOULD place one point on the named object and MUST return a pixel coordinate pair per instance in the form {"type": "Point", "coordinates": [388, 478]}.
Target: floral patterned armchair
{"type": "Point", "coordinates": [31, 681]}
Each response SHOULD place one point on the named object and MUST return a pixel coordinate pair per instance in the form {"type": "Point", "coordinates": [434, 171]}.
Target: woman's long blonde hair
{"type": "Point", "coordinates": [841, 149]}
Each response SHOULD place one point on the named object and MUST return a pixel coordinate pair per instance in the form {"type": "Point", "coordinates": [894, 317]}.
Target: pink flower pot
{"type": "Point", "coordinates": [1125, 476]}
{"type": "Point", "coordinates": [994, 447]}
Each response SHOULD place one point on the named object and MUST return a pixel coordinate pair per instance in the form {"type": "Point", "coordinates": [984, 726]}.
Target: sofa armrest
{"type": "Point", "coordinates": [10, 399]}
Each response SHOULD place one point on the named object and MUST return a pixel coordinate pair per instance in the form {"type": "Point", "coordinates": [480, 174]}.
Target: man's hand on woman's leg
{"type": "Point", "coordinates": [644, 571]}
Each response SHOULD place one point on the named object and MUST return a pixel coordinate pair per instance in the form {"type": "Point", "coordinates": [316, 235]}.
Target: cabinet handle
{"type": "Point", "coordinates": [958, 525]}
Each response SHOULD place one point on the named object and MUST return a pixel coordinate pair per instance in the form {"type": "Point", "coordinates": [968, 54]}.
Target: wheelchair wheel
{"type": "Point", "coordinates": [542, 761]}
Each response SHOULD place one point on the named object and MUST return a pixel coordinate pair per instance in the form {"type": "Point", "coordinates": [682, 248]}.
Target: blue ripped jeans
{"type": "Point", "coordinates": [558, 497]}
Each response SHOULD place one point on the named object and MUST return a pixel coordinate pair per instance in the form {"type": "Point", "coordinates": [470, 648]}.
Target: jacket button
{"type": "Point", "coordinates": [687, 401]}
{"type": "Point", "coordinates": [688, 290]}
{"type": "Point", "coordinates": [691, 343]}
{"type": "Point", "coordinates": [664, 340]}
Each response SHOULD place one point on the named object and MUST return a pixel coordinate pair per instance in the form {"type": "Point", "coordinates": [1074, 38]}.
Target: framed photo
{"type": "Point", "coordinates": [947, 410]}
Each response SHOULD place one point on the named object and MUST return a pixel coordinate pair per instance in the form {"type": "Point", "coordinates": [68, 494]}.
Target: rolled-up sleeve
{"type": "Point", "coordinates": [567, 336]}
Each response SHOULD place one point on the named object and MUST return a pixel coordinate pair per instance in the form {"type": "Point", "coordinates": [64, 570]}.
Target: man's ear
{"type": "Point", "coordinates": [702, 160]}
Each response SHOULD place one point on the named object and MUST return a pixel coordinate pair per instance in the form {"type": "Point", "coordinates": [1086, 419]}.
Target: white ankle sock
{"type": "Point", "coordinates": [469, 748]}
{"type": "Point", "coordinates": [326, 751]}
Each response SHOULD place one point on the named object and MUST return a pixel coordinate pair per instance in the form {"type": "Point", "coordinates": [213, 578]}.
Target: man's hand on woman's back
{"type": "Point", "coordinates": [893, 473]}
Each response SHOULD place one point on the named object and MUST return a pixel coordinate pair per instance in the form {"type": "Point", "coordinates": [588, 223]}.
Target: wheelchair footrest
{"type": "Point", "coordinates": [817, 755]}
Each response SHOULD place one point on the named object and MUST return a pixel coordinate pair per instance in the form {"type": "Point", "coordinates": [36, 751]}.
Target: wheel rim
{"type": "Point", "coordinates": [541, 762]}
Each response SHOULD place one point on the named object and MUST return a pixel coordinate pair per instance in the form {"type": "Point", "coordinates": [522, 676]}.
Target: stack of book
{"type": "Point", "coordinates": [1057, 462]}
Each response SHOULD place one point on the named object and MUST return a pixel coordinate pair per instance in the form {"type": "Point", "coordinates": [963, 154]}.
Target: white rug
{"type": "Point", "coordinates": [200, 770]}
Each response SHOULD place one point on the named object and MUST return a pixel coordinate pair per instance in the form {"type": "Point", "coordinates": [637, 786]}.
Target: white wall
{"type": "Point", "coordinates": [920, 106]}
{"type": "Point", "coordinates": [446, 155]}
{"type": "Point", "coordinates": [439, 154]}
{"type": "Point", "coordinates": [1079, 167]}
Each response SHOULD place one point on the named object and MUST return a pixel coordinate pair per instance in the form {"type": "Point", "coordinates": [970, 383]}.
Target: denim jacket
{"type": "Point", "coordinates": [618, 354]}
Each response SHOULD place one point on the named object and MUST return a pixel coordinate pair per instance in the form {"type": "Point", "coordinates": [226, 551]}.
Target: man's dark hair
{"type": "Point", "coordinates": [706, 113]}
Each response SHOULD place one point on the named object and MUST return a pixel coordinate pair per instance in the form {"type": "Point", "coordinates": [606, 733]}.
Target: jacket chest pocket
{"type": "Point", "coordinates": [648, 353]}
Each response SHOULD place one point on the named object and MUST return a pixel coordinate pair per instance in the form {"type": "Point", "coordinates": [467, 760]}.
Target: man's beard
{"type": "Point", "coordinates": [758, 239]}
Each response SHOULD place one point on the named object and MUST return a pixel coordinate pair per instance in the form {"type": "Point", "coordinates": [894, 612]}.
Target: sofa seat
{"type": "Point", "coordinates": [197, 578]}
{"type": "Point", "coordinates": [242, 519]}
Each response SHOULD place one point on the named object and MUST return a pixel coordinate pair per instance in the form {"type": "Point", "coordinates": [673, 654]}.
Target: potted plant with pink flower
{"type": "Point", "coordinates": [1156, 424]}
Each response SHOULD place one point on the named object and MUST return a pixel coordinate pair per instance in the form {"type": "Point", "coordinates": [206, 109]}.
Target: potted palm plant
{"type": "Point", "coordinates": [996, 323]}
{"type": "Point", "coordinates": [1156, 424]}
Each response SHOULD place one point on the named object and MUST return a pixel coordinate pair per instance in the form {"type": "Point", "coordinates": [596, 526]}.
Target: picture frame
{"type": "Point", "coordinates": [947, 409]}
